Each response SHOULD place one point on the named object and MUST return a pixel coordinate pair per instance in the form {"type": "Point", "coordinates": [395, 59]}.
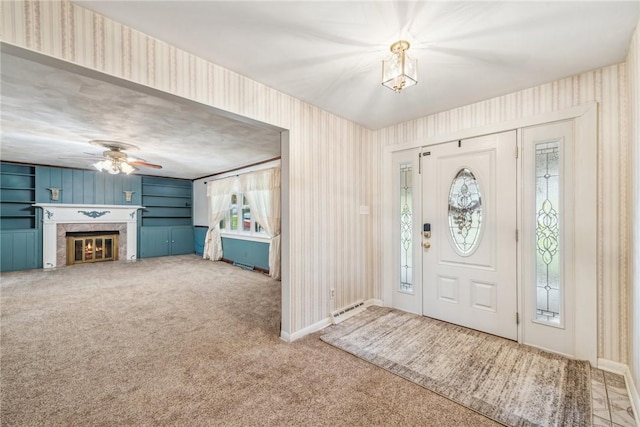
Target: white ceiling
{"type": "Point", "coordinates": [326, 53]}
{"type": "Point", "coordinates": [329, 53]}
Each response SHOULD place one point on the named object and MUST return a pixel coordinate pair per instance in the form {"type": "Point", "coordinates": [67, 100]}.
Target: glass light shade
{"type": "Point", "coordinates": [399, 71]}
{"type": "Point", "coordinates": [102, 165]}
{"type": "Point", "coordinates": [126, 168]}
{"type": "Point", "coordinates": [114, 167]}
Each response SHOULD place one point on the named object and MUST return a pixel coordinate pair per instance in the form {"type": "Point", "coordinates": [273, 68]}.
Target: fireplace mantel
{"type": "Point", "coordinates": [58, 213]}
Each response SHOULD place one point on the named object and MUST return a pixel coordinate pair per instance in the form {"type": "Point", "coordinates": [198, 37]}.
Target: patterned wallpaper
{"type": "Point", "coordinates": [633, 64]}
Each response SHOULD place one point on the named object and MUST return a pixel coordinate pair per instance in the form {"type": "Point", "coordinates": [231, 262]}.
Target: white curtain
{"type": "Point", "coordinates": [262, 190]}
{"type": "Point", "coordinates": [219, 195]}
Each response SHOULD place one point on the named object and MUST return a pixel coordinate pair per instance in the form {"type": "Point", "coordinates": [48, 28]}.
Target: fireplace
{"type": "Point", "coordinates": [64, 230]}
{"type": "Point", "coordinates": [97, 246]}
{"type": "Point", "coordinates": [59, 219]}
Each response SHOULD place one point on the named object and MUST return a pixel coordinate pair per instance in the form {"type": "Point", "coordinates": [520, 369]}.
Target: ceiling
{"type": "Point", "coordinates": [329, 53]}
{"type": "Point", "coordinates": [51, 110]}
{"type": "Point", "coordinates": [326, 53]}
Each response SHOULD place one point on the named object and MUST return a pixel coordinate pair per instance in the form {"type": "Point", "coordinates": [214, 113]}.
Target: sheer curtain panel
{"type": "Point", "coordinates": [219, 195]}
{"type": "Point", "coordinates": [262, 190]}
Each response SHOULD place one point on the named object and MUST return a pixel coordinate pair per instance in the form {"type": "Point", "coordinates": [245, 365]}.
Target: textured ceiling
{"type": "Point", "coordinates": [50, 114]}
{"type": "Point", "coordinates": [329, 53]}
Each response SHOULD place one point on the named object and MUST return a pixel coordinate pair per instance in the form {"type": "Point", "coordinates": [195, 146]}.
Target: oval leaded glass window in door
{"type": "Point", "coordinates": [465, 212]}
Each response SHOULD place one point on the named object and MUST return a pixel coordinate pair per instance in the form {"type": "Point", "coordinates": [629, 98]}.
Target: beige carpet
{"type": "Point", "coordinates": [513, 384]}
{"type": "Point", "coordinates": [182, 341]}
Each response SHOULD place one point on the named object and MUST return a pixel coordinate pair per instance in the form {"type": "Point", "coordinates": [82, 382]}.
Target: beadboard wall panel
{"type": "Point", "coordinates": [328, 162]}
{"type": "Point", "coordinates": [633, 65]}
{"type": "Point", "coordinates": [86, 187]}
{"type": "Point", "coordinates": [608, 87]}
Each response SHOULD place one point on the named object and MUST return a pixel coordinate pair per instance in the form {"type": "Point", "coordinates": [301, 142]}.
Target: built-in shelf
{"type": "Point", "coordinates": [17, 195]}
{"type": "Point", "coordinates": [167, 202]}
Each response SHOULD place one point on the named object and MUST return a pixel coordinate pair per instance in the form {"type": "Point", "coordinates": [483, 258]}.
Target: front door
{"type": "Point", "coordinates": [469, 233]}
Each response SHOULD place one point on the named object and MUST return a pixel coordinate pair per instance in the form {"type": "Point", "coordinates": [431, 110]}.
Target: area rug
{"type": "Point", "coordinates": [510, 383]}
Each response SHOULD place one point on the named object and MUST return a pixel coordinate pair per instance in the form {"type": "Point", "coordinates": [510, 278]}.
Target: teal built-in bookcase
{"type": "Point", "coordinates": [20, 233]}
{"type": "Point", "coordinates": [167, 220]}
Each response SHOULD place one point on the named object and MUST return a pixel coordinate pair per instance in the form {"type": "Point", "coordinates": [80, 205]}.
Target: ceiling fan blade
{"type": "Point", "coordinates": [144, 164]}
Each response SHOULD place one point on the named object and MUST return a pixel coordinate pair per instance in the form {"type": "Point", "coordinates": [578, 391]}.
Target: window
{"type": "Point", "coordinates": [238, 219]}
{"type": "Point", "coordinates": [465, 212]}
{"type": "Point", "coordinates": [406, 228]}
{"type": "Point", "coordinates": [549, 286]}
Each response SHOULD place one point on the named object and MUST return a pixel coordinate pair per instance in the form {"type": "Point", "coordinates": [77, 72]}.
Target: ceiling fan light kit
{"type": "Point", "coordinates": [114, 166]}
{"type": "Point", "coordinates": [399, 71]}
{"type": "Point", "coordinates": [116, 161]}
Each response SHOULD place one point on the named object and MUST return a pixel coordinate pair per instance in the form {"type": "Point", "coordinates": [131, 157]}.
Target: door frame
{"type": "Point", "coordinates": [586, 135]}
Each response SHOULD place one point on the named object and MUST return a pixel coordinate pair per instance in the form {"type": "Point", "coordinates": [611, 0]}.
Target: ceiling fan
{"type": "Point", "coordinates": [114, 160]}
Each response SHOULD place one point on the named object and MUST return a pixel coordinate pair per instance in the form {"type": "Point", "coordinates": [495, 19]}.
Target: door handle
{"type": "Point", "coordinates": [426, 245]}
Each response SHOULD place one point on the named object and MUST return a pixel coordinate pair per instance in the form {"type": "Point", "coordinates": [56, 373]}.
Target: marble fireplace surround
{"type": "Point", "coordinates": [58, 219]}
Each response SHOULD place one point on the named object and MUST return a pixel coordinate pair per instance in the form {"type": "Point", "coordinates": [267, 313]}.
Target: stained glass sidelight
{"type": "Point", "coordinates": [465, 211]}
{"type": "Point", "coordinates": [406, 228]}
{"type": "Point", "coordinates": [548, 284]}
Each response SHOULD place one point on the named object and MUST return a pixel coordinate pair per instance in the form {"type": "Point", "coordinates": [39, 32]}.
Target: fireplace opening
{"type": "Point", "coordinates": [92, 246]}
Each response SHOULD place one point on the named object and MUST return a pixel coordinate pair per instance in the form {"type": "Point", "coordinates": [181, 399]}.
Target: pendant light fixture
{"type": "Point", "coordinates": [399, 71]}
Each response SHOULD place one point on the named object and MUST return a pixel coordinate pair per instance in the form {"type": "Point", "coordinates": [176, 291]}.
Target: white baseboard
{"type": "Point", "coordinates": [632, 389]}
{"type": "Point", "coordinates": [306, 331]}
{"type": "Point", "coordinates": [373, 301]}
{"type": "Point", "coordinates": [319, 325]}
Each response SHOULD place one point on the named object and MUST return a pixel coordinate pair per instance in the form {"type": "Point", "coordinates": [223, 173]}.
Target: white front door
{"type": "Point", "coordinates": [469, 207]}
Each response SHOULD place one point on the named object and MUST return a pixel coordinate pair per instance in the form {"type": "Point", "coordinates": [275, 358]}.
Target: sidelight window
{"type": "Point", "coordinates": [548, 283]}
{"type": "Point", "coordinates": [406, 228]}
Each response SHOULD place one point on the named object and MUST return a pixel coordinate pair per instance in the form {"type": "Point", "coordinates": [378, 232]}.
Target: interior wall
{"type": "Point", "coordinates": [608, 87]}
{"type": "Point", "coordinates": [633, 63]}
{"type": "Point", "coordinates": [329, 164]}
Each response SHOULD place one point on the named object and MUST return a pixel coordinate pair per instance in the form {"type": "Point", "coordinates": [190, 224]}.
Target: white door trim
{"type": "Point", "coordinates": [586, 227]}
{"type": "Point", "coordinates": [586, 154]}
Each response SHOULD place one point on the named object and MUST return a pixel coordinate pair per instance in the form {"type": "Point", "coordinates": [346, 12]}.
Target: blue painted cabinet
{"type": "Point", "coordinates": [181, 240]}
{"type": "Point", "coordinates": [154, 241]}
{"type": "Point", "coordinates": [19, 250]}
{"type": "Point", "coordinates": [164, 241]}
